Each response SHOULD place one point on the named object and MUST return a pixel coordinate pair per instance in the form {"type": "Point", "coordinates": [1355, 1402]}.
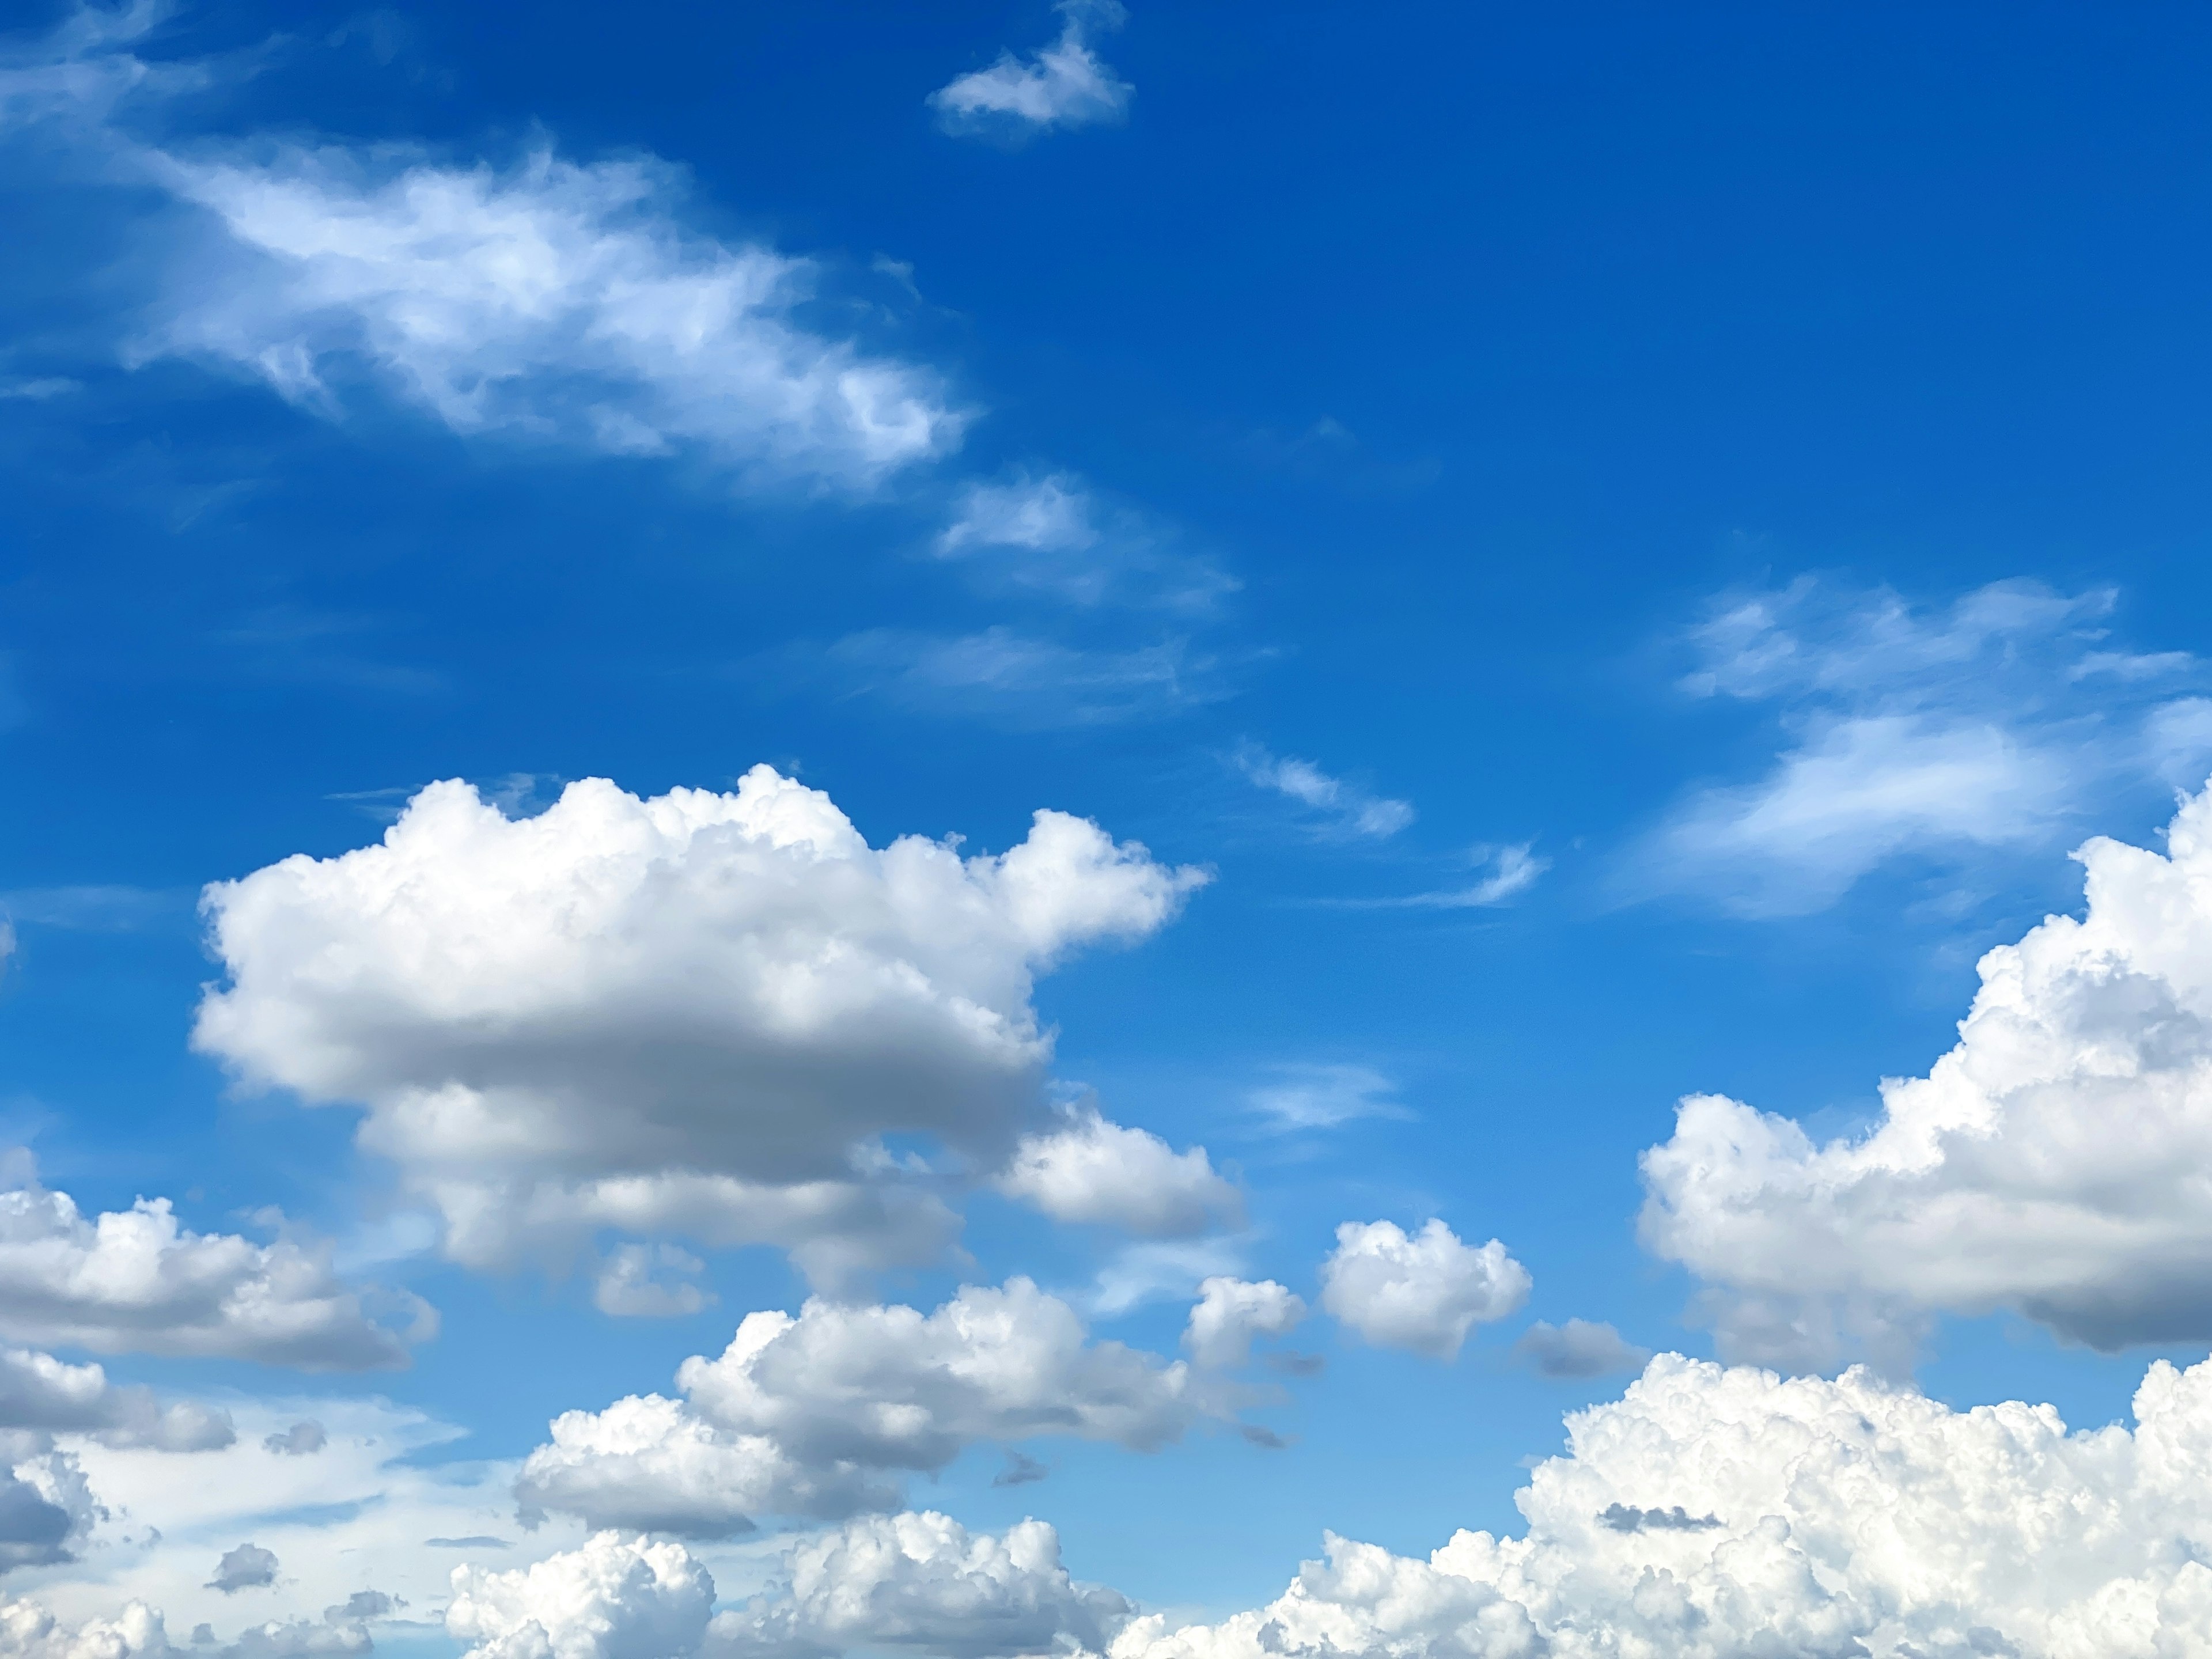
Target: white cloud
{"type": "Point", "coordinates": [1935, 734]}
{"type": "Point", "coordinates": [696, 1013]}
{"type": "Point", "coordinates": [820, 1414]}
{"type": "Point", "coordinates": [1321, 1096]}
{"type": "Point", "coordinates": [1715, 1514]}
{"type": "Point", "coordinates": [1025, 681]}
{"type": "Point", "coordinates": [44, 1396]}
{"type": "Point", "coordinates": [1090, 1170]}
{"type": "Point", "coordinates": [2050, 1162]}
{"type": "Point", "coordinates": [1053, 533]}
{"type": "Point", "coordinates": [135, 1281]}
{"type": "Point", "coordinates": [1061, 85]}
{"type": "Point", "coordinates": [27, 1630]}
{"type": "Point", "coordinates": [1230, 1312]}
{"type": "Point", "coordinates": [1578, 1348]}
{"type": "Point", "coordinates": [1424, 1293]}
{"type": "Point", "coordinates": [626, 1287]}
{"type": "Point", "coordinates": [1340, 807]}
{"type": "Point", "coordinates": [614, 1598]}
{"type": "Point", "coordinates": [922, 1582]}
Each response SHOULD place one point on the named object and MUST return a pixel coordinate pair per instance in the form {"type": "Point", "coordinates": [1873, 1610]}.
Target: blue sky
{"type": "Point", "coordinates": [1557, 560]}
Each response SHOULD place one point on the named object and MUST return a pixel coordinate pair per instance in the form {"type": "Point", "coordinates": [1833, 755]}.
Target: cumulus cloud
{"type": "Point", "coordinates": [1578, 1348]}
{"type": "Point", "coordinates": [1230, 1312]}
{"type": "Point", "coordinates": [1715, 1514]}
{"type": "Point", "coordinates": [696, 1013]}
{"type": "Point", "coordinates": [247, 1566]}
{"type": "Point", "coordinates": [1336, 806]}
{"type": "Point", "coordinates": [1932, 733]}
{"type": "Point", "coordinates": [1061, 85]}
{"type": "Point", "coordinates": [1999, 1179]}
{"type": "Point", "coordinates": [922, 1582]}
{"type": "Point", "coordinates": [820, 1414]}
{"type": "Point", "coordinates": [614, 1598]}
{"type": "Point", "coordinates": [1424, 1293]}
{"type": "Point", "coordinates": [1092, 1170]}
{"type": "Point", "coordinates": [42, 1395]}
{"type": "Point", "coordinates": [137, 1281]}
{"type": "Point", "coordinates": [29, 1630]}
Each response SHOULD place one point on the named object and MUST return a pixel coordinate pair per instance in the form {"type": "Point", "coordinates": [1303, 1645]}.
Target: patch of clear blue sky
{"type": "Point", "coordinates": [1483, 344]}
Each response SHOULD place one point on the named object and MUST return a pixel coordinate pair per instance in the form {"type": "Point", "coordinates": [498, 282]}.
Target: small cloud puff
{"type": "Point", "coordinates": [1061, 85]}
{"type": "Point", "coordinates": [247, 1567]}
{"type": "Point", "coordinates": [1424, 1293]}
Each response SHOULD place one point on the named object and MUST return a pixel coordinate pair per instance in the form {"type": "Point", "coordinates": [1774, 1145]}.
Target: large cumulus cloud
{"type": "Point", "coordinates": [698, 1012]}
{"type": "Point", "coordinates": [2056, 1162]}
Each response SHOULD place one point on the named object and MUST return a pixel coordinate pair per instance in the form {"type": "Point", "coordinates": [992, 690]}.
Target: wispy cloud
{"type": "Point", "coordinates": [1061, 85]}
{"type": "Point", "coordinates": [1336, 806]}
{"type": "Point", "coordinates": [1054, 532]}
{"type": "Point", "coordinates": [1512, 870]}
{"type": "Point", "coordinates": [1321, 1096]}
{"type": "Point", "coordinates": [1017, 679]}
{"type": "Point", "coordinates": [1937, 730]}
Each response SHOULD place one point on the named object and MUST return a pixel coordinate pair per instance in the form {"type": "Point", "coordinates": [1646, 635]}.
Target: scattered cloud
{"type": "Point", "coordinates": [1916, 732]}
{"type": "Point", "coordinates": [1423, 1294]}
{"type": "Point", "coordinates": [1053, 533]}
{"type": "Point", "coordinates": [613, 1598]}
{"type": "Point", "coordinates": [1578, 1349]}
{"type": "Point", "coordinates": [1169, 1272]}
{"type": "Point", "coordinates": [1061, 85]}
{"type": "Point", "coordinates": [1321, 1096]}
{"type": "Point", "coordinates": [1336, 807]}
{"type": "Point", "coordinates": [247, 1566]}
{"type": "Point", "coordinates": [1230, 1313]}
{"type": "Point", "coordinates": [697, 1014]}
{"type": "Point", "coordinates": [1091, 1171]}
{"type": "Point", "coordinates": [822, 1414]}
{"type": "Point", "coordinates": [303, 1439]}
{"type": "Point", "coordinates": [1025, 681]}
{"type": "Point", "coordinates": [1998, 1180]}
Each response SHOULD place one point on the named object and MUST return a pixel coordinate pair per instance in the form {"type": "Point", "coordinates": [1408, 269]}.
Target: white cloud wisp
{"type": "Point", "coordinates": [1061, 85]}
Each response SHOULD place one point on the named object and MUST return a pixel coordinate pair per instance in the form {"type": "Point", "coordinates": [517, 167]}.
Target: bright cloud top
{"type": "Point", "coordinates": [2051, 1162]}
{"type": "Point", "coordinates": [820, 1414]}
{"type": "Point", "coordinates": [554, 300]}
{"type": "Point", "coordinates": [696, 1013]}
{"type": "Point", "coordinates": [1092, 1170]}
{"type": "Point", "coordinates": [1061, 85]}
{"type": "Point", "coordinates": [1910, 732]}
{"type": "Point", "coordinates": [615, 1598]}
{"type": "Point", "coordinates": [1422, 1293]}
{"type": "Point", "coordinates": [1230, 1313]}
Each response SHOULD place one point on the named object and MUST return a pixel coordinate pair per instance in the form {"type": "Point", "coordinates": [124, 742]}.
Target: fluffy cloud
{"type": "Point", "coordinates": [693, 1013]}
{"type": "Point", "coordinates": [1091, 1170]}
{"type": "Point", "coordinates": [1423, 1293]}
{"type": "Point", "coordinates": [615, 1598]}
{"type": "Point", "coordinates": [1982, 726]}
{"type": "Point", "coordinates": [1230, 1312]}
{"type": "Point", "coordinates": [135, 1281]}
{"type": "Point", "coordinates": [27, 1630]}
{"type": "Point", "coordinates": [1715, 1514]}
{"type": "Point", "coordinates": [1062, 85]}
{"type": "Point", "coordinates": [42, 1395]}
{"type": "Point", "coordinates": [1340, 807]}
{"type": "Point", "coordinates": [244, 1566]}
{"type": "Point", "coordinates": [820, 1414]}
{"type": "Point", "coordinates": [1578, 1348]}
{"type": "Point", "coordinates": [2050, 1162]}
{"type": "Point", "coordinates": [922, 1582]}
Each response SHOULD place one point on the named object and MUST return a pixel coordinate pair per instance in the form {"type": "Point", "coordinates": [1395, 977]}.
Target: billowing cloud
{"type": "Point", "coordinates": [820, 1414]}
{"type": "Point", "coordinates": [614, 1598]}
{"type": "Point", "coordinates": [29, 1630]}
{"type": "Point", "coordinates": [1336, 806]}
{"type": "Point", "coordinates": [1929, 732]}
{"type": "Point", "coordinates": [696, 1013]}
{"type": "Point", "coordinates": [1424, 1293]}
{"type": "Point", "coordinates": [1061, 85]}
{"type": "Point", "coordinates": [1713, 1514]}
{"type": "Point", "coordinates": [922, 1582]}
{"type": "Point", "coordinates": [1230, 1312]}
{"type": "Point", "coordinates": [1091, 1170]}
{"type": "Point", "coordinates": [43, 1397]}
{"type": "Point", "coordinates": [1579, 1348]}
{"type": "Point", "coordinates": [137, 1281]}
{"type": "Point", "coordinates": [2051, 1162]}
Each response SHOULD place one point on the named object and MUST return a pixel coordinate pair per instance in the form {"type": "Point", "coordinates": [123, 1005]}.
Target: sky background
{"type": "Point", "coordinates": [1437, 384]}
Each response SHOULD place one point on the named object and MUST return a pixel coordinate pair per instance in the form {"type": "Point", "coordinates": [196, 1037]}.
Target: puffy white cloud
{"type": "Point", "coordinates": [820, 1414]}
{"type": "Point", "coordinates": [2051, 1162]}
{"type": "Point", "coordinates": [1061, 85]}
{"type": "Point", "coordinates": [244, 1566]}
{"type": "Point", "coordinates": [136, 1280]}
{"type": "Point", "coordinates": [550, 301]}
{"type": "Point", "coordinates": [1091, 1170]}
{"type": "Point", "coordinates": [44, 1396]}
{"type": "Point", "coordinates": [1984, 725]}
{"type": "Point", "coordinates": [29, 1630]}
{"type": "Point", "coordinates": [1579, 1348]}
{"type": "Point", "coordinates": [1423, 1293]}
{"type": "Point", "coordinates": [693, 1013]}
{"type": "Point", "coordinates": [614, 1598]}
{"type": "Point", "coordinates": [1713, 1513]}
{"type": "Point", "coordinates": [921, 1582]}
{"type": "Point", "coordinates": [1340, 807]}
{"type": "Point", "coordinates": [1230, 1312]}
